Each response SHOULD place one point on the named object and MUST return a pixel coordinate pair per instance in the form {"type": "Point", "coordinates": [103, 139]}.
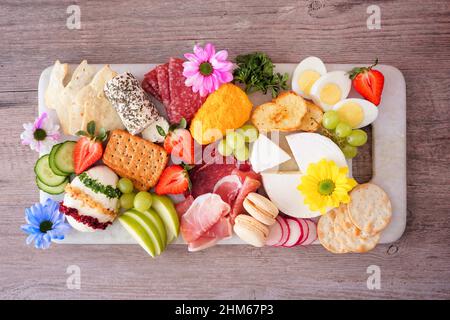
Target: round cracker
{"type": "Point", "coordinates": [370, 209]}
{"type": "Point", "coordinates": [327, 235]}
{"type": "Point", "coordinates": [352, 238]}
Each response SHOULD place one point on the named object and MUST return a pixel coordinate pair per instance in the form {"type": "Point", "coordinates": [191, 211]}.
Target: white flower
{"type": "Point", "coordinates": [40, 135]}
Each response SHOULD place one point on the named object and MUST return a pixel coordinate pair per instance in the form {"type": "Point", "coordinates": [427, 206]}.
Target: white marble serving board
{"type": "Point", "coordinates": [389, 150]}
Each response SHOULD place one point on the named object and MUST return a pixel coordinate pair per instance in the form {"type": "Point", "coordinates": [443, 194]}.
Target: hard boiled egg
{"type": "Point", "coordinates": [307, 72]}
{"type": "Point", "coordinates": [356, 112]}
{"type": "Point", "coordinates": [331, 88]}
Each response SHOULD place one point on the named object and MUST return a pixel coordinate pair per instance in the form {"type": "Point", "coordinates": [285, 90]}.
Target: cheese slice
{"type": "Point", "coordinates": [281, 188]}
{"type": "Point", "coordinates": [310, 148]}
{"type": "Point", "coordinates": [265, 154]}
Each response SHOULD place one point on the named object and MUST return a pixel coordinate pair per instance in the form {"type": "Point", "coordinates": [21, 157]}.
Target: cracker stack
{"type": "Point", "coordinates": [134, 158]}
{"type": "Point", "coordinates": [356, 227]}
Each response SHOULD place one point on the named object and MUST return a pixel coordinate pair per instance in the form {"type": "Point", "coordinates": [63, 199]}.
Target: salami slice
{"type": "Point", "coordinates": [162, 73]}
{"type": "Point", "coordinates": [184, 102]}
{"type": "Point", "coordinates": [150, 84]}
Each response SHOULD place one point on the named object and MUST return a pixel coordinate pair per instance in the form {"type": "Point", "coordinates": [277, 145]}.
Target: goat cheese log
{"type": "Point", "coordinates": [131, 102]}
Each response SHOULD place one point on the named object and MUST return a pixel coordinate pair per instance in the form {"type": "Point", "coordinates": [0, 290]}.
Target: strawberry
{"type": "Point", "coordinates": [89, 148]}
{"type": "Point", "coordinates": [178, 142]}
{"type": "Point", "coordinates": [174, 180]}
{"type": "Point", "coordinates": [368, 82]}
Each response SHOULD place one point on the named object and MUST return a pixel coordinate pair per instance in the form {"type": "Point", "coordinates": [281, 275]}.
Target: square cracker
{"type": "Point", "coordinates": [134, 158]}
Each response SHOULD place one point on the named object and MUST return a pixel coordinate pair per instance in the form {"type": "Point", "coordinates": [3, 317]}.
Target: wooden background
{"type": "Point", "coordinates": [414, 36]}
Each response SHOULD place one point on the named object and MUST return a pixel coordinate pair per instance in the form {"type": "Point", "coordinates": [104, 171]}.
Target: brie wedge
{"type": "Point", "coordinates": [310, 148]}
{"type": "Point", "coordinates": [281, 187]}
{"type": "Point", "coordinates": [265, 154]}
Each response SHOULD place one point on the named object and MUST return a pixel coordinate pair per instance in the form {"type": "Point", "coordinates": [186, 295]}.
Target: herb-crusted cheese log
{"type": "Point", "coordinates": [135, 109]}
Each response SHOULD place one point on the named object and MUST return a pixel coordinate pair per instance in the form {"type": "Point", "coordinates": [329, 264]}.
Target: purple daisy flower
{"type": "Point", "coordinates": [40, 135]}
{"type": "Point", "coordinates": [206, 70]}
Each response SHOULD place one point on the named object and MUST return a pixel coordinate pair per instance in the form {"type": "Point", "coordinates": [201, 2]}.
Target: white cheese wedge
{"type": "Point", "coordinates": [310, 148]}
{"type": "Point", "coordinates": [151, 132]}
{"type": "Point", "coordinates": [265, 154]}
{"type": "Point", "coordinates": [281, 188]}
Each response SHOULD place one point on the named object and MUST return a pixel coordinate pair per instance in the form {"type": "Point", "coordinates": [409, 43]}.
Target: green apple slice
{"type": "Point", "coordinates": [166, 210]}
{"type": "Point", "coordinates": [138, 233]}
{"type": "Point", "coordinates": [159, 224]}
{"type": "Point", "coordinates": [149, 227]}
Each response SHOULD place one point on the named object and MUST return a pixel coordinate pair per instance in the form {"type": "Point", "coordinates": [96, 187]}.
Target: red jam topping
{"type": "Point", "coordinates": [87, 220]}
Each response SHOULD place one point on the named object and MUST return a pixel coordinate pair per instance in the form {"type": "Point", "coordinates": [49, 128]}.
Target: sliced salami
{"type": "Point", "coordinates": [162, 74]}
{"type": "Point", "coordinates": [150, 84]}
{"type": "Point", "coordinates": [184, 102]}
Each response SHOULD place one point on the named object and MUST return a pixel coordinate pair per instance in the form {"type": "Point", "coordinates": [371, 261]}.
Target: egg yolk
{"type": "Point", "coordinates": [351, 113]}
{"type": "Point", "coordinates": [330, 94]}
{"type": "Point", "coordinates": [307, 79]}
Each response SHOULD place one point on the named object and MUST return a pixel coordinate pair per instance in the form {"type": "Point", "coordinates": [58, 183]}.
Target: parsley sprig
{"type": "Point", "coordinates": [256, 71]}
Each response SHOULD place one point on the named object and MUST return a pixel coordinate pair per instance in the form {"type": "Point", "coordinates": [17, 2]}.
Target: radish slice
{"type": "Point", "coordinates": [305, 228]}
{"type": "Point", "coordinates": [295, 234]}
{"type": "Point", "coordinates": [312, 236]}
{"type": "Point", "coordinates": [275, 234]}
{"type": "Point", "coordinates": [285, 231]}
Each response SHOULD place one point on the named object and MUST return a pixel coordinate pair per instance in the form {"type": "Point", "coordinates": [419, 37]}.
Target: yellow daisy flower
{"type": "Point", "coordinates": [325, 185]}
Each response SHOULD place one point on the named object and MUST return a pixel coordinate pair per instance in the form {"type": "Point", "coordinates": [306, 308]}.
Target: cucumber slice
{"type": "Point", "coordinates": [45, 174]}
{"type": "Point", "coordinates": [51, 190]}
{"type": "Point", "coordinates": [64, 157]}
{"type": "Point", "coordinates": [51, 161]}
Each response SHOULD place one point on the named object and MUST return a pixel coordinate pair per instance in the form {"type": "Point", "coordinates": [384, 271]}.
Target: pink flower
{"type": "Point", "coordinates": [206, 70]}
{"type": "Point", "coordinates": [40, 135]}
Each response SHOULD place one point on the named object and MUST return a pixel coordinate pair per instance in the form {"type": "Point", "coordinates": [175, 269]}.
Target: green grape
{"type": "Point", "coordinates": [235, 140]}
{"type": "Point", "coordinates": [357, 138]}
{"type": "Point", "coordinates": [242, 154]}
{"type": "Point", "coordinates": [249, 132]}
{"type": "Point", "coordinates": [349, 151]}
{"type": "Point", "coordinates": [343, 130]}
{"type": "Point", "coordinates": [127, 200]}
{"type": "Point", "coordinates": [125, 185]}
{"type": "Point", "coordinates": [224, 149]}
{"type": "Point", "coordinates": [143, 201]}
{"type": "Point", "coordinates": [330, 120]}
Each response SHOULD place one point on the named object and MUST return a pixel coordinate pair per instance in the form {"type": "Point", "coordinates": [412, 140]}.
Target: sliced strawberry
{"type": "Point", "coordinates": [179, 142]}
{"type": "Point", "coordinates": [88, 149]}
{"type": "Point", "coordinates": [368, 82]}
{"type": "Point", "coordinates": [173, 180]}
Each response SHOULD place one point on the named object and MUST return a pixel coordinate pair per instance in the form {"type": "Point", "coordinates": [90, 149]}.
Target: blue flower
{"type": "Point", "coordinates": [45, 223]}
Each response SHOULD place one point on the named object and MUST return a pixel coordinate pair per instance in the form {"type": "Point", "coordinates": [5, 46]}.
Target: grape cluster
{"type": "Point", "coordinates": [347, 138]}
{"type": "Point", "coordinates": [236, 142]}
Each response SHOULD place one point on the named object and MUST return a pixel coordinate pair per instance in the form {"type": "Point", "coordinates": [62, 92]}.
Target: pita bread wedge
{"type": "Point", "coordinates": [96, 106]}
{"type": "Point", "coordinates": [58, 78]}
{"type": "Point", "coordinates": [81, 77]}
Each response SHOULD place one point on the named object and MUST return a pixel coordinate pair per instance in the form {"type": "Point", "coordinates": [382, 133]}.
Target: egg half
{"type": "Point", "coordinates": [307, 72]}
{"type": "Point", "coordinates": [331, 88]}
{"type": "Point", "coordinates": [356, 112]}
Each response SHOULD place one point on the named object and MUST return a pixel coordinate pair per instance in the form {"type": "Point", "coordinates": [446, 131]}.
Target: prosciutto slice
{"type": "Point", "coordinates": [204, 213]}
{"type": "Point", "coordinates": [221, 230]}
{"type": "Point", "coordinates": [249, 185]}
{"type": "Point", "coordinates": [183, 206]}
{"type": "Point", "coordinates": [228, 188]}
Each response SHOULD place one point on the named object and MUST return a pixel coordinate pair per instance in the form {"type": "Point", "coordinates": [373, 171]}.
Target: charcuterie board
{"type": "Point", "coordinates": [389, 151]}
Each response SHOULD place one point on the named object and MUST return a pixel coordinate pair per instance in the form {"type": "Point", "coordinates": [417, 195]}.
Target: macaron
{"type": "Point", "coordinates": [261, 208]}
{"type": "Point", "coordinates": [251, 230]}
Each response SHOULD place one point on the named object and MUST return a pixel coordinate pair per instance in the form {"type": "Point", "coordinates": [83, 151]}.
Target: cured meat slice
{"type": "Point", "coordinates": [184, 205]}
{"type": "Point", "coordinates": [204, 212]}
{"type": "Point", "coordinates": [204, 177]}
{"type": "Point", "coordinates": [150, 84]}
{"type": "Point", "coordinates": [221, 230]}
{"type": "Point", "coordinates": [184, 103]}
{"type": "Point", "coordinates": [249, 185]}
{"type": "Point", "coordinates": [162, 74]}
{"type": "Point", "coordinates": [228, 188]}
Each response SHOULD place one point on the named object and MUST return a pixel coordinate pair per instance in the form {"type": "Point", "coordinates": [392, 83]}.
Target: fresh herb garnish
{"type": "Point", "coordinates": [255, 70]}
{"type": "Point", "coordinates": [97, 187]}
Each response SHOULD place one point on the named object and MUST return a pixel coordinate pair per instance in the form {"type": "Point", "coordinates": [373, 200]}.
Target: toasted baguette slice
{"type": "Point", "coordinates": [285, 113]}
{"type": "Point", "coordinates": [312, 118]}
